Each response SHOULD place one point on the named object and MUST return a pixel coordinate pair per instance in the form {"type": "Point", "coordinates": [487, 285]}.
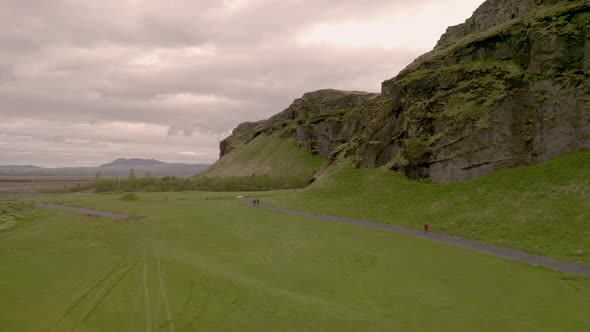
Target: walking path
{"type": "Point", "coordinates": [515, 255]}
{"type": "Point", "coordinates": [84, 211]}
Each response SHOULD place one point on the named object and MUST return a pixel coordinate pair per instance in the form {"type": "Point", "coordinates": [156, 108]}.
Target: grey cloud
{"type": "Point", "coordinates": [250, 84]}
{"type": "Point", "coordinates": [6, 73]}
{"type": "Point", "coordinates": [174, 23]}
{"type": "Point", "coordinates": [195, 68]}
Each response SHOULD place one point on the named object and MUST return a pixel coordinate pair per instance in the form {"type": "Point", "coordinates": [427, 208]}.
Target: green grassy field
{"type": "Point", "coordinates": [207, 262]}
{"type": "Point", "coordinates": [543, 209]}
{"type": "Point", "coordinates": [12, 212]}
{"type": "Point", "coordinates": [267, 155]}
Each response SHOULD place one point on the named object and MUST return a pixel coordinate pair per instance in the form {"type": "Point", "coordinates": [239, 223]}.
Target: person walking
{"type": "Point", "coordinates": [426, 228]}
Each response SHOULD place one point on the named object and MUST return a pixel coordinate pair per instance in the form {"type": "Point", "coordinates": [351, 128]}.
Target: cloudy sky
{"type": "Point", "coordinates": [83, 82]}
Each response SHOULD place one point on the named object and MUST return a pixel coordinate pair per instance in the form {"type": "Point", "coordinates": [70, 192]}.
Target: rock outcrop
{"type": "Point", "coordinates": [315, 121]}
{"type": "Point", "coordinates": [494, 13]}
{"type": "Point", "coordinates": [509, 87]}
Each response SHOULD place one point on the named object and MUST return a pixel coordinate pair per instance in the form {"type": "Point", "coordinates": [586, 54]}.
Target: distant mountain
{"type": "Point", "coordinates": [134, 162]}
{"type": "Point", "coordinates": [18, 168]}
{"type": "Point", "coordinates": [119, 167]}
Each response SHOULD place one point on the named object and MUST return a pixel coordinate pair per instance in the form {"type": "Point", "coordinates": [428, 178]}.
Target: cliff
{"type": "Point", "coordinates": [508, 87]}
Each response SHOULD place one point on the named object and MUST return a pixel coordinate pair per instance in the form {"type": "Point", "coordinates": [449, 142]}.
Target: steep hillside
{"type": "Point", "coordinates": [543, 209]}
{"type": "Point", "coordinates": [266, 156]}
{"type": "Point", "coordinates": [508, 87]}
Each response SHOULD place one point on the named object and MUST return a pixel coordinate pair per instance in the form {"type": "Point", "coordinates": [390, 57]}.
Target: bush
{"type": "Point", "coordinates": [202, 183]}
{"type": "Point", "coordinates": [417, 150]}
{"type": "Point", "coordinates": [12, 212]}
{"type": "Point", "coordinates": [129, 197]}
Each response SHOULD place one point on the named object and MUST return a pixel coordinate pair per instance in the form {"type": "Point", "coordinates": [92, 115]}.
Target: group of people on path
{"type": "Point", "coordinates": [256, 202]}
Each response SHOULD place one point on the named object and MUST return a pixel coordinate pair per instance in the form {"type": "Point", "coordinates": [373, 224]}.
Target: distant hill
{"type": "Point", "coordinates": [119, 167]}
{"type": "Point", "coordinates": [134, 162]}
{"type": "Point", "coordinates": [18, 168]}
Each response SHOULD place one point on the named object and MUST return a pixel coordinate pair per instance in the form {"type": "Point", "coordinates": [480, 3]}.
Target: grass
{"type": "Point", "coordinates": [415, 76]}
{"type": "Point", "coordinates": [14, 214]}
{"type": "Point", "coordinates": [267, 156]}
{"type": "Point", "coordinates": [207, 262]}
{"type": "Point", "coordinates": [542, 209]}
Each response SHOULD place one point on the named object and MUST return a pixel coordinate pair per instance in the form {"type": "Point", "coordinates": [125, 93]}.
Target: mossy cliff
{"type": "Point", "coordinates": [509, 87]}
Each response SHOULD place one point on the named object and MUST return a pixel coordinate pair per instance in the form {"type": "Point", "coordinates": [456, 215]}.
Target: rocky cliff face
{"type": "Point", "coordinates": [494, 13]}
{"type": "Point", "coordinates": [315, 121]}
{"type": "Point", "coordinates": [509, 87]}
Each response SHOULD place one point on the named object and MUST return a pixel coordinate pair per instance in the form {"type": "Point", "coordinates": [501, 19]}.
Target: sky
{"type": "Point", "coordinates": [83, 82]}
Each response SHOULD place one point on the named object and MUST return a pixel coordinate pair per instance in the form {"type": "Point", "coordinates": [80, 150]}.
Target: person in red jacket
{"type": "Point", "coordinates": [426, 227]}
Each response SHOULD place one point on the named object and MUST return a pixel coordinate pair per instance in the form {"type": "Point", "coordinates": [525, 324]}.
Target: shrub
{"type": "Point", "coordinates": [128, 197]}
{"type": "Point", "coordinates": [203, 183]}
{"type": "Point", "coordinates": [417, 150]}
{"type": "Point", "coordinates": [11, 213]}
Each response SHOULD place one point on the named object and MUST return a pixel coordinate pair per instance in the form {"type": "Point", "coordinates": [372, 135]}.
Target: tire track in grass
{"type": "Point", "coordinates": [106, 293]}
{"type": "Point", "coordinates": [146, 294]}
{"type": "Point", "coordinates": [82, 297]}
{"type": "Point", "coordinates": [136, 302]}
{"type": "Point", "coordinates": [165, 296]}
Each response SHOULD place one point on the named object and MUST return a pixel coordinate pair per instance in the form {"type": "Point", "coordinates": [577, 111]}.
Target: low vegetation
{"type": "Point", "coordinates": [197, 263]}
{"type": "Point", "coordinates": [13, 213]}
{"type": "Point", "coordinates": [267, 163]}
{"type": "Point", "coordinates": [267, 156]}
{"type": "Point", "coordinates": [542, 209]}
{"type": "Point", "coordinates": [201, 183]}
{"type": "Point", "coordinates": [129, 197]}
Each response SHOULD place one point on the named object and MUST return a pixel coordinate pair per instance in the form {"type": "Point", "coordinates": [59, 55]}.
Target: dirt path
{"type": "Point", "coordinates": [84, 211]}
{"type": "Point", "coordinates": [515, 255]}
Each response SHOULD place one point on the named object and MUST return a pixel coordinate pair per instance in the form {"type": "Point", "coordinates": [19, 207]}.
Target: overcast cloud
{"type": "Point", "coordinates": [84, 82]}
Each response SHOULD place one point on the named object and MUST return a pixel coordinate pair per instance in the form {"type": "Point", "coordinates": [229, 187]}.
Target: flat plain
{"type": "Point", "coordinates": [20, 185]}
{"type": "Point", "coordinates": [208, 262]}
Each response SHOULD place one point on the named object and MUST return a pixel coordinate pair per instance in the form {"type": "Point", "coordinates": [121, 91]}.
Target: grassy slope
{"type": "Point", "coordinates": [226, 266]}
{"type": "Point", "coordinates": [543, 209]}
{"type": "Point", "coordinates": [267, 155]}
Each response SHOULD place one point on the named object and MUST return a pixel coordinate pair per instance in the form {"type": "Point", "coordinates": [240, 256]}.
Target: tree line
{"type": "Point", "coordinates": [149, 183]}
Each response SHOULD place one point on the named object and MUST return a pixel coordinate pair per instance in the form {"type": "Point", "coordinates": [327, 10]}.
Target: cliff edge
{"type": "Point", "coordinates": [509, 87]}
